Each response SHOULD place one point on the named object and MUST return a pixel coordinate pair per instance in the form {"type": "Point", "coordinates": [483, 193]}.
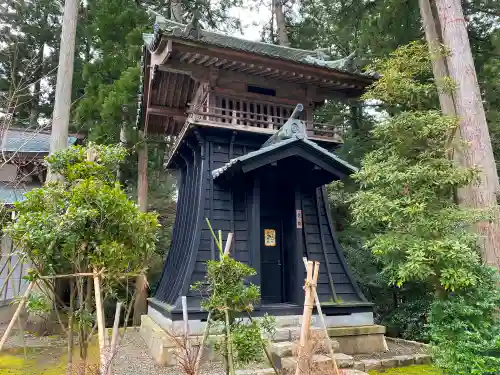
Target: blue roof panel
{"type": "Point", "coordinates": [28, 141]}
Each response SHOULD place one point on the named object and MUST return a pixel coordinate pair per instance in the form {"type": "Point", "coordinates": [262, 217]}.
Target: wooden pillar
{"type": "Point", "coordinates": [141, 304]}
{"type": "Point", "coordinates": [309, 106]}
{"type": "Point", "coordinates": [142, 172]}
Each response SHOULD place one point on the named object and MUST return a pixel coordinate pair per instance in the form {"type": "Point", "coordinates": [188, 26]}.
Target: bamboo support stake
{"type": "Point", "coordinates": [209, 321]}
{"type": "Point", "coordinates": [100, 323]}
{"type": "Point", "coordinates": [202, 345]}
{"type": "Point", "coordinates": [185, 316]}
{"type": "Point", "coordinates": [20, 307]}
{"type": "Point", "coordinates": [266, 350]}
{"type": "Point", "coordinates": [322, 318]}
{"type": "Point", "coordinates": [229, 343]}
{"type": "Point", "coordinates": [114, 337]}
{"type": "Point", "coordinates": [306, 315]}
{"type": "Point", "coordinates": [229, 241]}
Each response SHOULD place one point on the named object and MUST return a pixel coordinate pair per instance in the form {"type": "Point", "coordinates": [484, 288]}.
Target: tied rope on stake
{"type": "Point", "coordinates": [311, 279]}
{"type": "Point", "coordinates": [322, 318]}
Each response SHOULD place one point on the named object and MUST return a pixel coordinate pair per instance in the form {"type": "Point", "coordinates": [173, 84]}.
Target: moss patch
{"type": "Point", "coordinates": [410, 370]}
{"type": "Point", "coordinates": [42, 361]}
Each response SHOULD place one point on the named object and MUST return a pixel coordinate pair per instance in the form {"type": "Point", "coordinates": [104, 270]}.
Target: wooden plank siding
{"type": "Point", "coordinates": [320, 245]}
{"type": "Point", "coordinates": [236, 209]}
{"type": "Point", "coordinates": [201, 198]}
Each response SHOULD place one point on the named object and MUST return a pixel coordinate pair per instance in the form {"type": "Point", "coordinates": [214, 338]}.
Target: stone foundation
{"type": "Point", "coordinates": [197, 327]}
{"type": "Point", "coordinates": [355, 333]}
{"type": "Point", "coordinates": [6, 311]}
{"type": "Point", "coordinates": [361, 339]}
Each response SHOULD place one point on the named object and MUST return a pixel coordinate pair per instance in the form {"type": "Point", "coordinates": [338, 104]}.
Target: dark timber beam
{"type": "Point", "coordinates": [166, 111]}
{"type": "Point", "coordinates": [230, 55]}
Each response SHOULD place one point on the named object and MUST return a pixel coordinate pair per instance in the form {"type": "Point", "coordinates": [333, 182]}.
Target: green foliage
{"type": "Point", "coordinates": [403, 310]}
{"type": "Point", "coordinates": [465, 328]}
{"type": "Point", "coordinates": [374, 28]}
{"type": "Point", "coordinates": [27, 29]}
{"type": "Point", "coordinates": [111, 78]}
{"type": "Point", "coordinates": [247, 341]}
{"type": "Point", "coordinates": [225, 287]}
{"type": "Point", "coordinates": [417, 231]}
{"type": "Point", "coordinates": [406, 189]}
{"type": "Point", "coordinates": [85, 221]}
{"type": "Point", "coordinates": [226, 295]}
{"type": "Point", "coordinates": [410, 370]}
{"type": "Point", "coordinates": [405, 78]}
{"type": "Point", "coordinates": [38, 304]}
{"type": "Point", "coordinates": [73, 163]}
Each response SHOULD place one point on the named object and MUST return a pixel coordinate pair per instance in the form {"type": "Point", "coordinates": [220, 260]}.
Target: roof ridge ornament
{"type": "Point", "coordinates": [193, 28]}
{"type": "Point", "coordinates": [350, 63]}
{"type": "Point", "coordinates": [293, 128]}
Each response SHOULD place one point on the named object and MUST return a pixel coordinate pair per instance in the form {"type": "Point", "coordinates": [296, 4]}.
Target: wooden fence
{"type": "Point", "coordinates": [11, 264]}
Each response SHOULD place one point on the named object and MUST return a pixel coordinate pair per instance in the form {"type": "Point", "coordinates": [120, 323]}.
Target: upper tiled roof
{"type": "Point", "coordinates": [167, 27]}
{"type": "Point", "coordinates": [27, 141]}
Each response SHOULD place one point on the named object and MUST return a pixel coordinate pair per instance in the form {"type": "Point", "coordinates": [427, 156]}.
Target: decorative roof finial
{"type": "Point", "coordinates": [193, 28]}
{"type": "Point", "coordinates": [292, 128]}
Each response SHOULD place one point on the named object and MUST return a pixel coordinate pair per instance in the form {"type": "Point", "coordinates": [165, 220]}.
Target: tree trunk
{"type": "Point", "coordinates": [439, 67]}
{"type": "Point", "coordinates": [37, 78]}
{"type": "Point", "coordinates": [281, 23]}
{"type": "Point", "coordinates": [432, 27]}
{"type": "Point", "coordinates": [62, 103]}
{"type": "Point", "coordinates": [473, 127]}
{"type": "Point", "coordinates": [140, 304]}
{"type": "Point", "coordinates": [176, 10]}
{"type": "Point", "coordinates": [142, 183]}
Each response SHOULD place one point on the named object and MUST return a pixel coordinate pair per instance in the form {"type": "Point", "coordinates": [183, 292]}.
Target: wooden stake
{"type": "Point", "coordinates": [229, 241]}
{"type": "Point", "coordinates": [202, 345]}
{"type": "Point", "coordinates": [266, 350]}
{"type": "Point", "coordinates": [100, 323]}
{"type": "Point", "coordinates": [306, 316]}
{"type": "Point", "coordinates": [114, 337]}
{"type": "Point", "coordinates": [22, 302]}
{"type": "Point", "coordinates": [322, 318]}
{"type": "Point", "coordinates": [185, 317]}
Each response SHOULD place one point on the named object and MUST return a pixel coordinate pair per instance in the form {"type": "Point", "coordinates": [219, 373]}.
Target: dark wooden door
{"type": "Point", "coordinates": [271, 252]}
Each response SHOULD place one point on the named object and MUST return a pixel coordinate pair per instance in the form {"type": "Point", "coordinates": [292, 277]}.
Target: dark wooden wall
{"type": "Point", "coordinates": [200, 198]}
{"type": "Point", "coordinates": [234, 210]}
{"type": "Point", "coordinates": [335, 283]}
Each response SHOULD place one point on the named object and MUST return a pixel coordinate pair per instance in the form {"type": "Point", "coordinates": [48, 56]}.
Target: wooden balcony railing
{"type": "Point", "coordinates": [267, 120]}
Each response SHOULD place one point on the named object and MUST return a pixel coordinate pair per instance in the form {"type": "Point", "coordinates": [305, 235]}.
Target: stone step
{"type": "Point", "coordinates": [285, 334]}
{"type": "Point", "coordinates": [322, 362]}
{"type": "Point", "coordinates": [284, 349]}
{"type": "Point", "coordinates": [261, 371]}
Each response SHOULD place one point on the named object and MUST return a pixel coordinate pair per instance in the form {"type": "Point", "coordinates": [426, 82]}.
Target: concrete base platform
{"type": "Point", "coordinates": [163, 347]}
{"type": "Point", "coordinates": [361, 339]}
{"type": "Point", "coordinates": [197, 327]}
{"type": "Point", "coordinates": [6, 312]}
{"type": "Point", "coordinates": [352, 338]}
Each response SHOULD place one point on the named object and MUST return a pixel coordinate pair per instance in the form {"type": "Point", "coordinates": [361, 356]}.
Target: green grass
{"type": "Point", "coordinates": [410, 370]}
{"type": "Point", "coordinates": [41, 361]}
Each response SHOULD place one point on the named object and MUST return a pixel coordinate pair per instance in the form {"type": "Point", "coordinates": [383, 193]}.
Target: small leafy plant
{"type": "Point", "coordinates": [228, 295]}
{"type": "Point", "coordinates": [81, 223]}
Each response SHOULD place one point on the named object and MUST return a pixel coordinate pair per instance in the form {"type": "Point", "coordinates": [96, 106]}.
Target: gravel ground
{"type": "Point", "coordinates": [133, 356]}
{"type": "Point", "coordinates": [133, 359]}
{"type": "Point", "coordinates": [394, 350]}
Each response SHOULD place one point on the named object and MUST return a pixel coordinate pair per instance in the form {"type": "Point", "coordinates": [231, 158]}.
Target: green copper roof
{"type": "Point", "coordinates": [24, 141]}
{"type": "Point", "coordinates": [167, 27]}
{"type": "Point", "coordinates": [292, 132]}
